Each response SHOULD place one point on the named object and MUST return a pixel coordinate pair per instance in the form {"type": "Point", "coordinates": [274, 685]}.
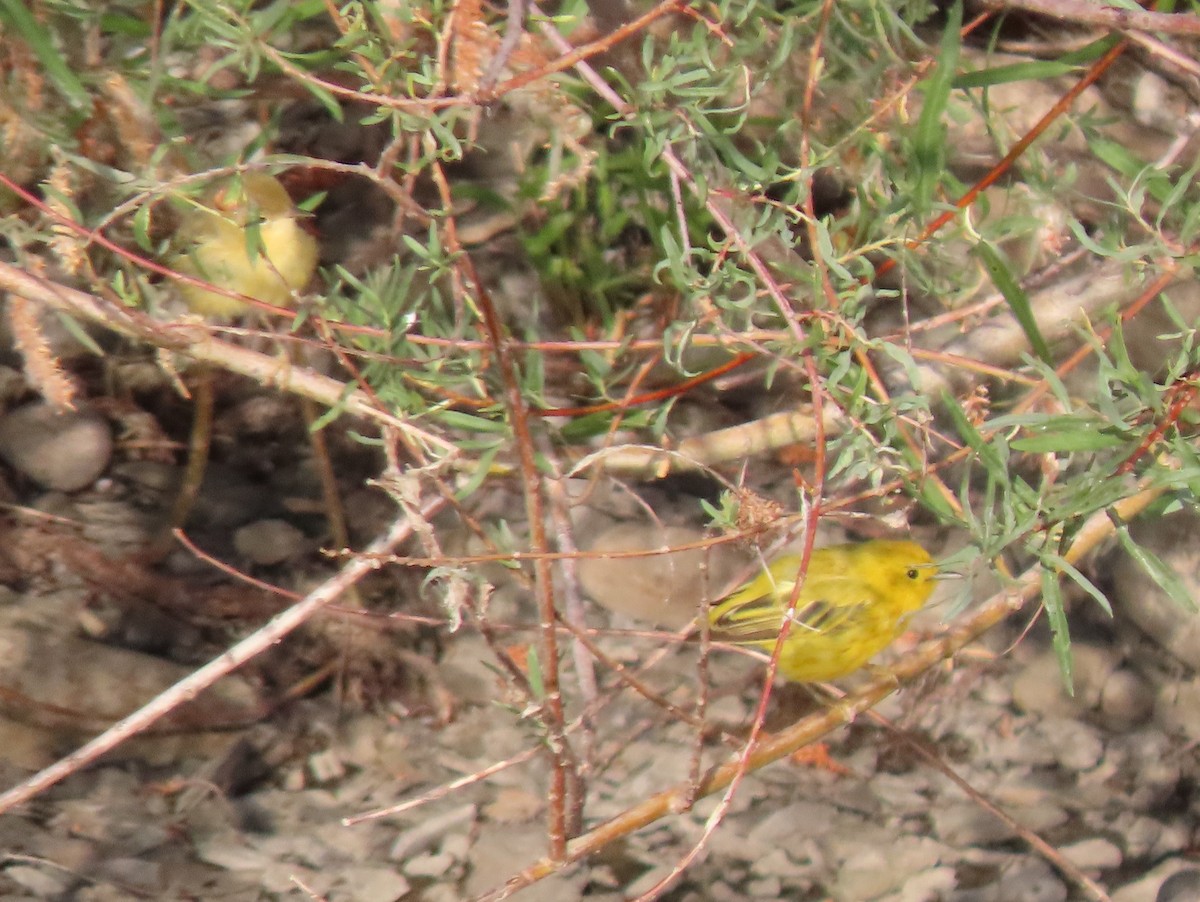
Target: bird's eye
{"type": "Point", "coordinates": [913, 573]}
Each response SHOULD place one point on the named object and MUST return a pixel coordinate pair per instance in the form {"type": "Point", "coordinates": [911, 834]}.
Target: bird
{"type": "Point", "coordinates": [249, 240]}
{"type": "Point", "coordinates": [855, 600]}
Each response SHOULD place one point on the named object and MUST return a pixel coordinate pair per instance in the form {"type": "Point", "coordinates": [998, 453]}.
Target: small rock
{"type": "Point", "coordinates": [1126, 701]}
{"type": "Point", "coordinates": [232, 855]}
{"type": "Point", "coordinates": [375, 884]}
{"type": "Point", "coordinates": [935, 883]}
{"type": "Point", "coordinates": [1139, 833]}
{"type": "Point", "coordinates": [1039, 687]}
{"type": "Point", "coordinates": [513, 806]}
{"type": "Point", "coordinates": [326, 766]}
{"type": "Point", "coordinates": [1150, 887]}
{"type": "Point", "coordinates": [269, 542]}
{"type": "Point", "coordinates": [500, 850]}
{"type": "Point", "coordinates": [962, 824]}
{"type": "Point", "coordinates": [432, 865]}
{"type": "Point", "coordinates": [1030, 880]}
{"type": "Point", "coordinates": [1138, 598]}
{"type": "Point", "coordinates": [875, 870]}
{"type": "Point", "coordinates": [1093, 855]}
{"type": "Point", "coordinates": [1178, 707]}
{"type": "Point", "coordinates": [1076, 745]}
{"type": "Point", "coordinates": [466, 670]}
{"type": "Point", "coordinates": [765, 888]}
{"type": "Point", "coordinates": [429, 832]}
{"type": "Point", "coordinates": [134, 872]}
{"type": "Point", "coordinates": [59, 451]}
{"type": "Point", "coordinates": [1182, 886]}
{"type": "Point", "coordinates": [664, 589]}
{"type": "Point", "coordinates": [777, 863]}
{"type": "Point", "coordinates": [44, 883]}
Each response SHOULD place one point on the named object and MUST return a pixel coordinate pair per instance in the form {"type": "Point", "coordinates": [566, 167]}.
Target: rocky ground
{"type": "Point", "coordinates": [281, 782]}
{"type": "Point", "coordinates": [1107, 778]}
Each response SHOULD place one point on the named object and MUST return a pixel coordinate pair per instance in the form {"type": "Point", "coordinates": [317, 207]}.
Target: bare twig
{"type": "Point", "coordinates": [1094, 531]}
{"type": "Point", "coordinates": [199, 680]}
{"type": "Point", "coordinates": [1118, 18]}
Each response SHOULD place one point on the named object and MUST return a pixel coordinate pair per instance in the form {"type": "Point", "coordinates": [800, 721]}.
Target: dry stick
{"type": "Point", "coordinates": [1087, 12]}
{"type": "Point", "coordinates": [513, 31]}
{"type": "Point", "coordinates": [1015, 152]}
{"type": "Point", "coordinates": [1073, 874]}
{"type": "Point", "coordinates": [199, 445]}
{"type": "Point", "coordinates": [552, 704]}
{"type": "Point", "coordinates": [784, 306]}
{"type": "Point", "coordinates": [440, 792]}
{"type": "Point", "coordinates": [195, 342]}
{"type": "Point", "coordinates": [199, 680]}
{"type": "Point", "coordinates": [575, 610]}
{"type": "Point", "coordinates": [785, 309]}
{"type": "Point", "coordinates": [677, 713]}
{"type": "Point", "coordinates": [1096, 529]}
{"type": "Point", "coordinates": [814, 513]}
{"type": "Point", "coordinates": [446, 789]}
{"type": "Point", "coordinates": [565, 815]}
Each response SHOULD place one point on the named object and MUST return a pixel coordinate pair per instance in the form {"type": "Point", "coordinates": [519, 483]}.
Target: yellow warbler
{"type": "Point", "coordinates": [248, 241]}
{"type": "Point", "coordinates": [855, 600]}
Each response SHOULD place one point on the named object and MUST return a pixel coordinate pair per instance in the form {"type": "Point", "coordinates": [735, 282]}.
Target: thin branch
{"type": "Point", "coordinates": [202, 678]}
{"type": "Point", "coordinates": [1095, 530]}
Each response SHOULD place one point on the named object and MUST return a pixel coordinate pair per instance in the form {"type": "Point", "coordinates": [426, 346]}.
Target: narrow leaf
{"type": "Point", "coordinates": [1014, 295]}
{"type": "Point", "coordinates": [1052, 601]}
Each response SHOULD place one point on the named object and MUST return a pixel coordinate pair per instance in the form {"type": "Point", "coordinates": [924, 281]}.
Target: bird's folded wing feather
{"type": "Point", "coordinates": [758, 616]}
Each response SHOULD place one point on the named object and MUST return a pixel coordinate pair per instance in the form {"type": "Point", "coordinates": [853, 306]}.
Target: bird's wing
{"type": "Point", "coordinates": [758, 616]}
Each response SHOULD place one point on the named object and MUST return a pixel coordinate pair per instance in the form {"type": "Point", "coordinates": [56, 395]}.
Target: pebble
{"type": "Point", "coordinates": [1030, 880]}
{"type": "Point", "coordinates": [501, 850]}
{"type": "Point", "coordinates": [1127, 701]}
{"type": "Point", "coordinates": [1137, 598]}
{"type": "Point", "coordinates": [765, 888]}
{"type": "Point", "coordinates": [134, 872]}
{"type": "Point", "coordinates": [961, 824]}
{"type": "Point", "coordinates": [1182, 886]}
{"type": "Point", "coordinates": [44, 883]}
{"type": "Point", "coordinates": [1093, 855]}
{"type": "Point", "coordinates": [877, 869]}
{"type": "Point", "coordinates": [1077, 746]}
{"type": "Point", "coordinates": [233, 855]}
{"type": "Point", "coordinates": [375, 884]}
{"type": "Point", "coordinates": [47, 666]}
{"type": "Point", "coordinates": [59, 451]}
{"type": "Point", "coordinates": [1177, 708]}
{"type": "Point", "coordinates": [467, 672]}
{"type": "Point", "coordinates": [269, 542]}
{"type": "Point", "coordinates": [433, 865]}
{"type": "Point", "coordinates": [430, 831]}
{"type": "Point", "coordinates": [777, 863]}
{"type": "Point", "coordinates": [662, 589]}
{"type": "Point", "coordinates": [935, 883]}
{"type": "Point", "coordinates": [1039, 687]}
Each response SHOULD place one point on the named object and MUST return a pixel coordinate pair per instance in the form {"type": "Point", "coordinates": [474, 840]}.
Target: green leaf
{"type": "Point", "coordinates": [1061, 563]}
{"type": "Point", "coordinates": [929, 137]}
{"type": "Point", "coordinates": [1083, 436]}
{"type": "Point", "coordinates": [1002, 75]}
{"type": "Point", "coordinates": [1164, 576]}
{"type": "Point", "coordinates": [1017, 299]}
{"type": "Point", "coordinates": [588, 426]}
{"type": "Point", "coordinates": [79, 333]}
{"type": "Point", "coordinates": [456, 419]}
{"type": "Point", "coordinates": [1052, 601]}
{"type": "Point", "coordinates": [16, 14]}
{"type": "Point", "coordinates": [989, 456]}
{"type": "Point", "coordinates": [536, 683]}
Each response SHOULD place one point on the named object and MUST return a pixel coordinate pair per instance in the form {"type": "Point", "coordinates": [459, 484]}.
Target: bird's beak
{"type": "Point", "coordinates": [947, 574]}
